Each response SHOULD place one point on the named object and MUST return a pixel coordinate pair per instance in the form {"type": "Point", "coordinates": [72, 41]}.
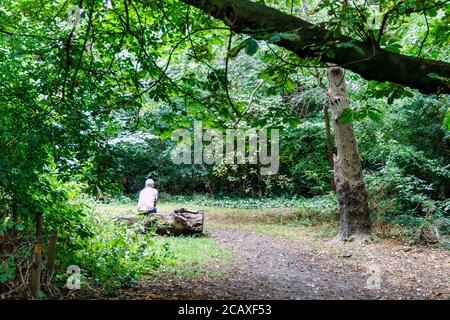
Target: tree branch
{"type": "Point", "coordinates": [260, 21]}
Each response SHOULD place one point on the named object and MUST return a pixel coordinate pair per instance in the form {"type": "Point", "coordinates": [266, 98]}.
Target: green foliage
{"type": "Point", "coordinates": [405, 200]}
{"type": "Point", "coordinates": [245, 180]}
{"type": "Point", "coordinates": [87, 107]}
{"type": "Point", "coordinates": [303, 153]}
{"type": "Point", "coordinates": [411, 138]}
{"type": "Point", "coordinates": [235, 202]}
{"type": "Point", "coordinates": [318, 210]}
{"type": "Point", "coordinates": [250, 46]}
{"type": "Point", "coordinates": [446, 122]}
{"type": "Point", "coordinates": [193, 253]}
{"type": "Point", "coordinates": [7, 269]}
{"type": "Point", "coordinates": [116, 254]}
{"type": "Point", "coordinates": [407, 166]}
{"type": "Point", "coordinates": [348, 115]}
{"type": "Point", "coordinates": [140, 156]}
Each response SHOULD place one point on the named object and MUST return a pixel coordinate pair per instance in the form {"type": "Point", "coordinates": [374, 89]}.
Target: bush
{"type": "Point", "coordinates": [109, 253]}
{"type": "Point", "coordinates": [116, 254]}
{"type": "Point", "coordinates": [404, 200]}
{"type": "Point", "coordinates": [318, 210]}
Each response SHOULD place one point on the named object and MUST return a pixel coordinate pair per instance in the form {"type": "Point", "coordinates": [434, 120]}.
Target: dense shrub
{"type": "Point", "coordinates": [411, 138]}
{"type": "Point", "coordinates": [140, 155]}
{"type": "Point", "coordinates": [303, 167]}
{"type": "Point", "coordinates": [405, 200]}
{"type": "Point", "coordinates": [109, 254]}
{"type": "Point", "coordinates": [407, 166]}
{"type": "Point", "coordinates": [115, 254]}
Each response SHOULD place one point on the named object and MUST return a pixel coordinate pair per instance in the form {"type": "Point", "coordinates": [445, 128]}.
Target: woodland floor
{"type": "Point", "coordinates": [267, 259]}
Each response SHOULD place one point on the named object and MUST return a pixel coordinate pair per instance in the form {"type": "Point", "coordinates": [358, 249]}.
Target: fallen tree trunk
{"type": "Point", "coordinates": [179, 222]}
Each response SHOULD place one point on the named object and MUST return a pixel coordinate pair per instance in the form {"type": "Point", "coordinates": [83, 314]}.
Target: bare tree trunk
{"type": "Point", "coordinates": [51, 258]}
{"type": "Point", "coordinates": [329, 146]}
{"type": "Point", "coordinates": [329, 142]}
{"type": "Point", "coordinates": [36, 267]}
{"type": "Point", "coordinates": [350, 188]}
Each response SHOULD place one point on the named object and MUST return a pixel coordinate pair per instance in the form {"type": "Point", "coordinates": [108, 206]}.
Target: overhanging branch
{"type": "Point", "coordinates": [372, 63]}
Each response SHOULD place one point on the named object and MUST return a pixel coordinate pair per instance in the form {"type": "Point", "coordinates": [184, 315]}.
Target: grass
{"type": "Point", "coordinates": [198, 255]}
{"type": "Point", "coordinates": [310, 225]}
{"type": "Point", "coordinates": [288, 223]}
{"type": "Point", "coordinates": [194, 254]}
{"type": "Point", "coordinates": [292, 231]}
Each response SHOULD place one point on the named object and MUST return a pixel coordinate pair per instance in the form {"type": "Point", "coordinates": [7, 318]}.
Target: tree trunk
{"type": "Point", "coordinates": [51, 258]}
{"type": "Point", "coordinates": [350, 188]}
{"type": "Point", "coordinates": [329, 146]}
{"type": "Point", "coordinates": [179, 222]}
{"type": "Point", "coordinates": [36, 267]}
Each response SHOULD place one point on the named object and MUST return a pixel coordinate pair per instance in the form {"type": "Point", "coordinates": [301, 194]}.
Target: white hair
{"type": "Point", "coordinates": [149, 183]}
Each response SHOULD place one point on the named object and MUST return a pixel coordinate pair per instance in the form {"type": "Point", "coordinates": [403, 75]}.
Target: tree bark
{"type": "Point", "coordinates": [329, 146]}
{"type": "Point", "coordinates": [51, 258]}
{"type": "Point", "coordinates": [350, 188]}
{"type": "Point", "coordinates": [179, 222]}
{"type": "Point", "coordinates": [36, 268]}
{"type": "Point", "coordinates": [372, 63]}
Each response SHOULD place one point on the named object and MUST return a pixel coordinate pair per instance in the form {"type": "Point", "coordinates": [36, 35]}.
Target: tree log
{"type": "Point", "coordinates": [179, 222]}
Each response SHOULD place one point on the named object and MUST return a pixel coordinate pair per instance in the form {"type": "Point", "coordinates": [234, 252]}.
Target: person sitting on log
{"type": "Point", "coordinates": [148, 198]}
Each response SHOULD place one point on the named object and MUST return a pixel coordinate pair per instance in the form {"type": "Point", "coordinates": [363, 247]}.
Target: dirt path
{"type": "Point", "coordinates": [267, 267]}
